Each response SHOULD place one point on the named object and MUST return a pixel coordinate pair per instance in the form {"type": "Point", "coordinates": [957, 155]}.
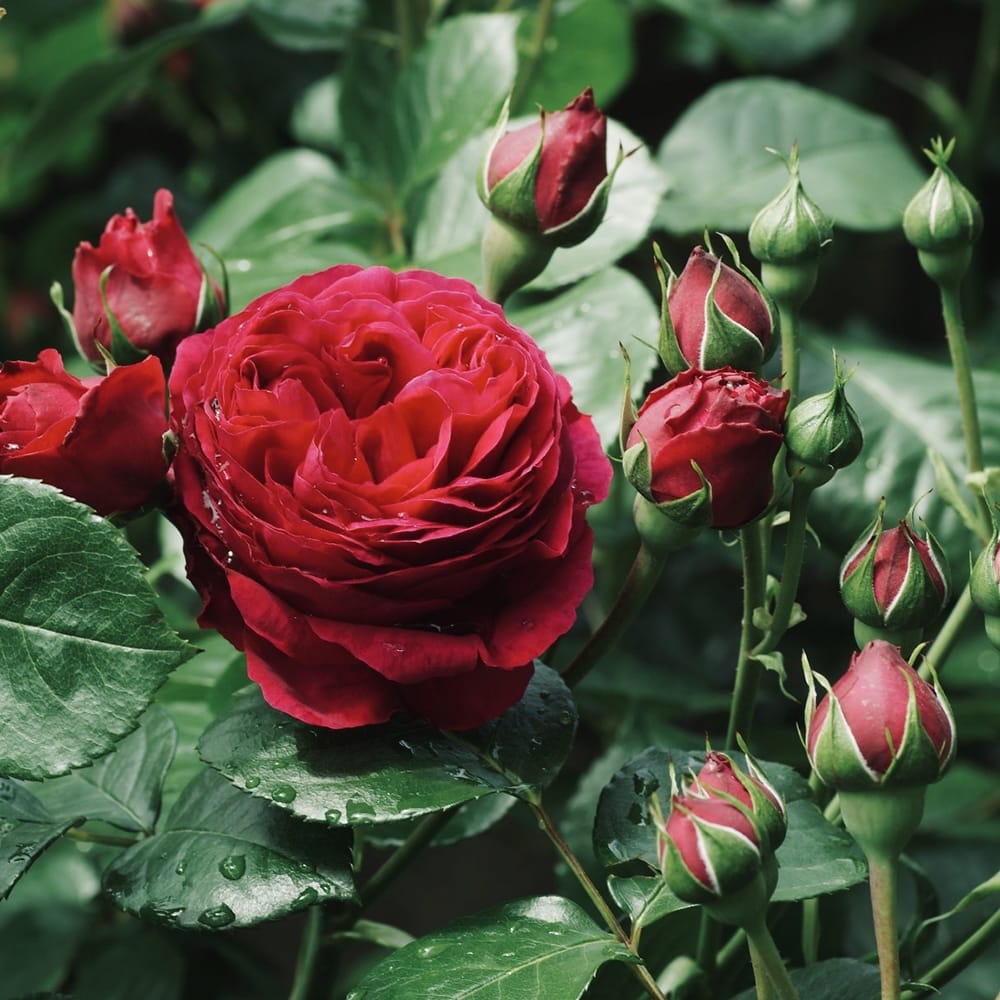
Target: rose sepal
{"type": "Point", "coordinates": [667, 348]}
{"type": "Point", "coordinates": [586, 221]}
{"type": "Point", "coordinates": [774, 313]}
{"type": "Point", "coordinates": [58, 298]}
{"type": "Point", "coordinates": [213, 300]}
{"type": "Point", "coordinates": [984, 581]}
{"type": "Point", "coordinates": [692, 511]}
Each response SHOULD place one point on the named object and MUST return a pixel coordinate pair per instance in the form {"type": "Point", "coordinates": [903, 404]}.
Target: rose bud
{"type": "Point", "coordinates": [720, 774]}
{"type": "Point", "coordinates": [99, 440]}
{"type": "Point", "coordinates": [984, 585]}
{"type": "Point", "coordinates": [546, 185]}
{"type": "Point", "coordinates": [894, 582]}
{"type": "Point", "coordinates": [141, 290]}
{"type": "Point", "coordinates": [713, 315]}
{"type": "Point", "coordinates": [880, 732]}
{"type": "Point", "coordinates": [822, 433]}
{"type": "Point", "coordinates": [703, 445]}
{"type": "Point", "coordinates": [786, 236]}
{"type": "Point", "coordinates": [943, 219]}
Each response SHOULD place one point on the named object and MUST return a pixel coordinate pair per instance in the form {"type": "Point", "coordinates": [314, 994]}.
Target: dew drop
{"type": "Point", "coordinates": [283, 793]}
{"type": "Point", "coordinates": [527, 623]}
{"type": "Point", "coordinates": [332, 816]}
{"type": "Point", "coordinates": [430, 950]}
{"type": "Point", "coordinates": [217, 916]}
{"type": "Point", "coordinates": [233, 867]}
{"type": "Point", "coordinates": [304, 899]}
{"type": "Point", "coordinates": [359, 812]}
{"type": "Point", "coordinates": [181, 867]}
{"type": "Point", "coordinates": [252, 782]}
{"type": "Point", "coordinates": [325, 888]}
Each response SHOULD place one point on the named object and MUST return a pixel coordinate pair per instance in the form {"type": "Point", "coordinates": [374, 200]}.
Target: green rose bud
{"type": "Point", "coordinates": [822, 433]}
{"type": "Point", "coordinates": [943, 219]}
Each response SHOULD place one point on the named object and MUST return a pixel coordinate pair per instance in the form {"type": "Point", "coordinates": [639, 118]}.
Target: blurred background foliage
{"type": "Point", "coordinates": [296, 134]}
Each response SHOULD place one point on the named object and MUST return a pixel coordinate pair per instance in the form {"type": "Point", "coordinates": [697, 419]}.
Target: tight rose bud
{"type": "Point", "coordinates": [713, 315]}
{"type": "Point", "coordinates": [893, 581]}
{"type": "Point", "coordinates": [99, 440]}
{"type": "Point", "coordinates": [703, 445]}
{"type": "Point", "coordinates": [786, 236]}
{"type": "Point", "coordinates": [546, 185]}
{"type": "Point", "coordinates": [822, 433]}
{"type": "Point", "coordinates": [880, 735]}
{"type": "Point", "coordinates": [943, 219]}
{"type": "Point", "coordinates": [141, 290]}
{"type": "Point", "coordinates": [708, 847]}
{"type": "Point", "coordinates": [750, 788]}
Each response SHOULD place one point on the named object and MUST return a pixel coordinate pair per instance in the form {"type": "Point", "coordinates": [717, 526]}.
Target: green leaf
{"type": "Point", "coordinates": [579, 332]}
{"type": "Point", "coordinates": [451, 224]}
{"type": "Point", "coordinates": [127, 961]}
{"type": "Point", "coordinates": [541, 947]}
{"type": "Point", "coordinates": [833, 979]}
{"type": "Point", "coordinates": [83, 644]}
{"type": "Point", "coordinates": [225, 859]}
{"type": "Point", "coordinates": [403, 130]}
{"type": "Point", "coordinates": [908, 408]}
{"type": "Point", "coordinates": [815, 858]}
{"type": "Point", "coordinates": [852, 163]}
{"type": "Point", "coordinates": [562, 73]}
{"type": "Point", "coordinates": [769, 36]}
{"type": "Point", "coordinates": [306, 25]}
{"type": "Point", "coordinates": [26, 830]}
{"type": "Point", "coordinates": [475, 817]}
{"type": "Point", "coordinates": [644, 899]}
{"type": "Point", "coordinates": [124, 787]}
{"type": "Point", "coordinates": [393, 771]}
{"type": "Point", "coordinates": [293, 214]}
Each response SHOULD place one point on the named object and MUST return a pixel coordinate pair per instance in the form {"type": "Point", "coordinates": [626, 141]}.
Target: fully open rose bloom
{"type": "Point", "coordinates": [99, 439]}
{"type": "Point", "coordinates": [383, 486]}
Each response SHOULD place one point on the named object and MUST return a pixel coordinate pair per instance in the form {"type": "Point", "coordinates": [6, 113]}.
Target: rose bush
{"type": "Point", "coordinates": [156, 288]}
{"type": "Point", "coordinates": [98, 439]}
{"type": "Point", "coordinates": [725, 423]}
{"type": "Point", "coordinates": [382, 485]}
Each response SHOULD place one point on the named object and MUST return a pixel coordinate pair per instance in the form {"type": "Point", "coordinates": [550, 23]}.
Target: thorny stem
{"type": "Point", "coordinates": [638, 585]}
{"type": "Point", "coordinates": [639, 970]}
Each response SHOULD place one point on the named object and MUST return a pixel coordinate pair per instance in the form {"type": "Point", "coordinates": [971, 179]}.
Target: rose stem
{"type": "Point", "coordinates": [639, 970]}
{"type": "Point", "coordinates": [535, 50]}
{"type": "Point", "coordinates": [422, 835]}
{"type": "Point", "coordinates": [769, 960]}
{"type": "Point", "coordinates": [937, 652]}
{"type": "Point", "coordinates": [760, 977]}
{"type": "Point", "coordinates": [970, 949]}
{"type": "Point", "coordinates": [789, 350]}
{"type": "Point", "coordinates": [638, 585]}
{"type": "Point", "coordinates": [791, 569]}
{"type": "Point", "coordinates": [305, 963]}
{"type": "Point", "coordinates": [747, 669]}
{"type": "Point", "coordinates": [951, 310]}
{"type": "Point", "coordinates": [882, 882]}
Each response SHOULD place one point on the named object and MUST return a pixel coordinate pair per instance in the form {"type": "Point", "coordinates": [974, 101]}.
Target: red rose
{"type": "Point", "coordinates": [99, 439]}
{"type": "Point", "coordinates": [726, 423]}
{"type": "Point", "coordinates": [154, 288]}
{"type": "Point", "coordinates": [572, 165]}
{"type": "Point", "coordinates": [383, 486]}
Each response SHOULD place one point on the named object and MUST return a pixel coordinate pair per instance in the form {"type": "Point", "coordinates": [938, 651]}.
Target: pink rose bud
{"type": "Point", "coordinates": [708, 847]}
{"type": "Point", "coordinates": [141, 290]}
{"type": "Point", "coordinates": [100, 439]}
{"type": "Point", "coordinates": [703, 445]}
{"type": "Point", "coordinates": [879, 726]}
{"type": "Point", "coordinates": [719, 774]}
{"type": "Point", "coordinates": [552, 168]}
{"type": "Point", "coordinates": [716, 316]}
{"type": "Point", "coordinates": [894, 581]}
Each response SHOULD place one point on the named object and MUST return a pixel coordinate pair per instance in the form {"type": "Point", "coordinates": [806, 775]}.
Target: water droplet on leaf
{"type": "Point", "coordinates": [217, 916]}
{"type": "Point", "coordinates": [233, 867]}
{"type": "Point", "coordinates": [283, 793]}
